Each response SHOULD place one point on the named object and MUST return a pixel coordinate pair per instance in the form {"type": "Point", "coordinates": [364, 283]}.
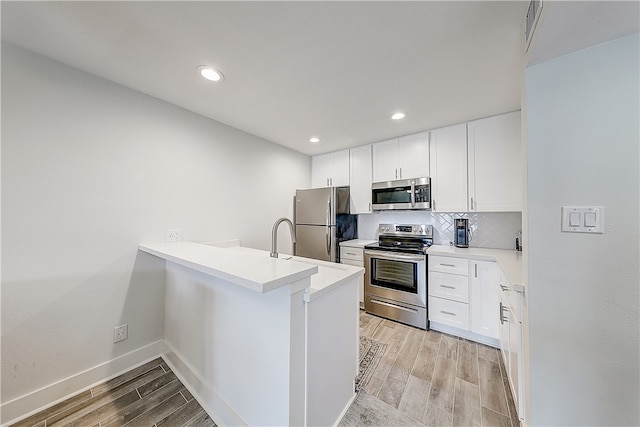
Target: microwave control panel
{"type": "Point", "coordinates": [422, 194]}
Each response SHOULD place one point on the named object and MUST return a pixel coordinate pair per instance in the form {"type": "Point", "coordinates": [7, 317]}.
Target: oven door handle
{"type": "Point", "coordinates": [394, 256]}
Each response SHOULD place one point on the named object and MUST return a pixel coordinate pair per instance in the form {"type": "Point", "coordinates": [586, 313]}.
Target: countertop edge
{"type": "Point", "coordinates": [312, 294]}
{"type": "Point", "coordinates": [356, 243]}
{"type": "Point", "coordinates": [253, 285]}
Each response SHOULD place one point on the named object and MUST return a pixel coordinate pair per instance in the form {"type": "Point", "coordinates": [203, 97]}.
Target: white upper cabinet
{"type": "Point", "coordinates": [385, 160]}
{"type": "Point", "coordinates": [413, 155]}
{"type": "Point", "coordinates": [495, 164]}
{"type": "Point", "coordinates": [330, 170]}
{"type": "Point", "coordinates": [448, 157]}
{"type": "Point", "coordinates": [360, 170]}
{"type": "Point", "coordinates": [401, 158]}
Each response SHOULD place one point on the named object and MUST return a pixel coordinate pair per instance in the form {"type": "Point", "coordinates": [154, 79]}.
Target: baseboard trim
{"type": "Point", "coordinates": [346, 408]}
{"type": "Point", "coordinates": [464, 334]}
{"type": "Point", "coordinates": [217, 408]}
{"type": "Point", "coordinates": [52, 394]}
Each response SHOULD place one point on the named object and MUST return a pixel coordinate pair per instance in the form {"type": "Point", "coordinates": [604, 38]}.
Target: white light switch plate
{"type": "Point", "coordinates": [583, 219]}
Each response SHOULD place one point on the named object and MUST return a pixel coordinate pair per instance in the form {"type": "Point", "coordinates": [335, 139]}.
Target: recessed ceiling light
{"type": "Point", "coordinates": [210, 73]}
{"type": "Point", "coordinates": [398, 116]}
{"type": "Point", "coordinates": [314, 140]}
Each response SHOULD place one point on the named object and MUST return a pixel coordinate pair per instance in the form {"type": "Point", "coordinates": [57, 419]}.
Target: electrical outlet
{"type": "Point", "coordinates": [120, 333]}
{"type": "Point", "coordinates": [174, 234]}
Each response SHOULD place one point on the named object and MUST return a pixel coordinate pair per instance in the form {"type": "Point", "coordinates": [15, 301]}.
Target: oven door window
{"type": "Point", "coordinates": [398, 275]}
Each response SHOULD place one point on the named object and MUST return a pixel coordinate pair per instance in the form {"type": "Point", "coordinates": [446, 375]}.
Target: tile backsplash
{"type": "Point", "coordinates": [496, 230]}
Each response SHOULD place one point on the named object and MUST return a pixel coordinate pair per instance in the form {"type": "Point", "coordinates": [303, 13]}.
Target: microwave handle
{"type": "Point", "coordinates": [413, 194]}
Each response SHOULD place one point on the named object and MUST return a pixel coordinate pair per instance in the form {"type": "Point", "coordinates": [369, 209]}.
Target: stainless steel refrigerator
{"type": "Point", "coordinates": [322, 221]}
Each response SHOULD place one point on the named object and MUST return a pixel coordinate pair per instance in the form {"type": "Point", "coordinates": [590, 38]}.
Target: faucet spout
{"type": "Point", "coordinates": [274, 235]}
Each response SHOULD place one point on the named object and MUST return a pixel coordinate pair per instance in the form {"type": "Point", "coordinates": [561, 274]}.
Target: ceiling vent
{"type": "Point", "coordinates": [533, 14]}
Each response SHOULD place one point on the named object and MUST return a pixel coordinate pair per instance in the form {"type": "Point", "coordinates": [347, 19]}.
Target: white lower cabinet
{"type": "Point", "coordinates": [511, 346]}
{"type": "Point", "coordinates": [485, 298]}
{"type": "Point", "coordinates": [447, 312]}
{"type": "Point", "coordinates": [463, 295]}
{"type": "Point", "coordinates": [449, 291]}
{"type": "Point", "coordinates": [352, 253]}
{"type": "Point", "coordinates": [449, 286]}
{"type": "Point", "coordinates": [474, 299]}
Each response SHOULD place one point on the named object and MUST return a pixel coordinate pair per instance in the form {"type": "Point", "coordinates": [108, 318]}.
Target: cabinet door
{"type": "Point", "coordinates": [339, 168]}
{"type": "Point", "coordinates": [360, 280]}
{"type": "Point", "coordinates": [485, 298]}
{"type": "Point", "coordinates": [330, 170]}
{"type": "Point", "coordinates": [448, 157]}
{"type": "Point", "coordinates": [385, 160]}
{"type": "Point", "coordinates": [320, 170]}
{"type": "Point", "coordinates": [413, 156]}
{"type": "Point", "coordinates": [495, 164]}
{"type": "Point", "coordinates": [360, 170]}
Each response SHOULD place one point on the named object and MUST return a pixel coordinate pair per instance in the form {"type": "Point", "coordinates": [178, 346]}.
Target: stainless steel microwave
{"type": "Point", "coordinates": [401, 194]}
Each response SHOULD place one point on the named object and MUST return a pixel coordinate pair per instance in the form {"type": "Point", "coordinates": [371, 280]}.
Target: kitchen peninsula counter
{"type": "Point", "coordinates": [260, 340]}
{"type": "Point", "coordinates": [510, 261]}
{"type": "Point", "coordinates": [252, 270]}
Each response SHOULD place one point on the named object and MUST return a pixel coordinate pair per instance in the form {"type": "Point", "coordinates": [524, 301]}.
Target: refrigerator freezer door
{"type": "Point", "coordinates": [316, 242]}
{"type": "Point", "coordinates": [314, 206]}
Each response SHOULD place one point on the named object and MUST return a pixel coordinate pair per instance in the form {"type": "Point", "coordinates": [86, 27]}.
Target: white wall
{"type": "Point", "coordinates": [89, 170]}
{"type": "Point", "coordinates": [583, 290]}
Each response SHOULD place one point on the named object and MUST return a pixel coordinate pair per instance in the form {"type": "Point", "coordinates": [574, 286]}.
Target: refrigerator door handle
{"type": "Point", "coordinates": [328, 238]}
{"type": "Point", "coordinates": [328, 215]}
{"type": "Point", "coordinates": [328, 228]}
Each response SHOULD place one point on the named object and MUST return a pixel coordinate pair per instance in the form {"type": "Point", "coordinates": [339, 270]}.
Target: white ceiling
{"type": "Point", "coordinates": [293, 70]}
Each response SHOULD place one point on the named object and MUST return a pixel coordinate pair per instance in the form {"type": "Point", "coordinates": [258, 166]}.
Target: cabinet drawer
{"type": "Point", "coordinates": [356, 254]}
{"type": "Point", "coordinates": [449, 286]}
{"type": "Point", "coordinates": [448, 312]}
{"type": "Point", "coordinates": [445, 264]}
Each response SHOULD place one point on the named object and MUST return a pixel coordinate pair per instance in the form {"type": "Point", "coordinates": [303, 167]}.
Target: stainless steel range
{"type": "Point", "coordinates": [395, 278]}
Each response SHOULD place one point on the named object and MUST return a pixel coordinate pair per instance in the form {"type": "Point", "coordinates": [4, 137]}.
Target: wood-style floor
{"type": "Point", "coordinates": [149, 395]}
{"type": "Point", "coordinates": [433, 378]}
{"type": "Point", "coordinates": [438, 379]}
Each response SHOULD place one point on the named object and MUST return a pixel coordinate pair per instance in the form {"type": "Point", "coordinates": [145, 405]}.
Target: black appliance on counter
{"type": "Point", "coordinates": [395, 278]}
{"type": "Point", "coordinates": [461, 233]}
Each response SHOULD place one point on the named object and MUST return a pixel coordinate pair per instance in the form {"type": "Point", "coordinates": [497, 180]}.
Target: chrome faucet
{"type": "Point", "coordinates": [274, 235]}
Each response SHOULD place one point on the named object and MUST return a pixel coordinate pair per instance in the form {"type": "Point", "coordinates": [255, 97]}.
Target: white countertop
{"type": "Point", "coordinates": [357, 243]}
{"type": "Point", "coordinates": [510, 261]}
{"type": "Point", "coordinates": [329, 275]}
{"type": "Point", "coordinates": [254, 268]}
{"type": "Point", "coordinates": [254, 271]}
